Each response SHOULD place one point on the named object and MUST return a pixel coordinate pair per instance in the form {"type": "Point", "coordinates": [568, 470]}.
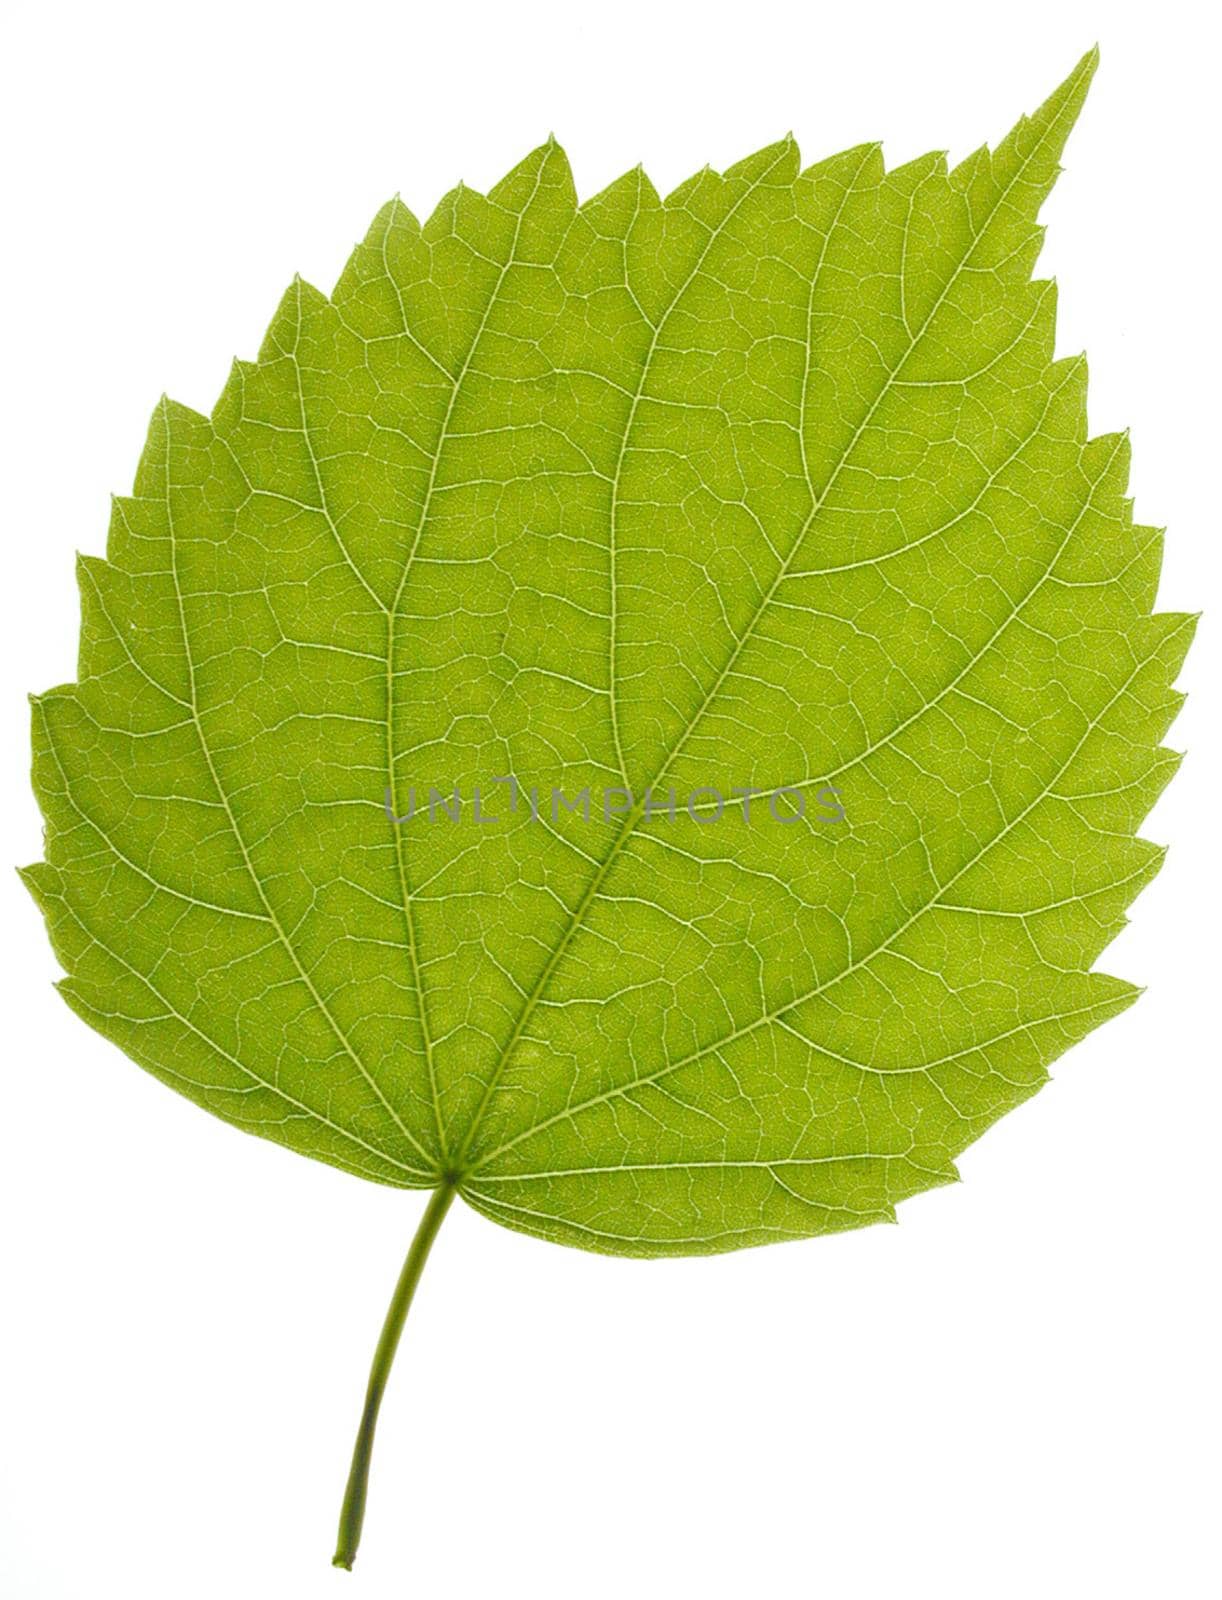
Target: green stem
{"type": "Point", "coordinates": [353, 1513]}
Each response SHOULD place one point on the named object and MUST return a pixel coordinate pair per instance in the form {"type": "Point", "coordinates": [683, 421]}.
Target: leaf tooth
{"type": "Point", "coordinates": [546, 167]}
{"type": "Point", "coordinates": [1106, 457]}
{"type": "Point", "coordinates": [935, 1165]}
{"type": "Point", "coordinates": [860, 163]}
{"type": "Point", "coordinates": [645, 185]}
{"type": "Point", "coordinates": [36, 879]}
{"type": "Point", "coordinates": [1044, 316]}
{"type": "Point", "coordinates": [300, 302]}
{"type": "Point", "coordinates": [98, 597]}
{"type": "Point", "coordinates": [92, 567]}
{"type": "Point", "coordinates": [633, 186]}
{"type": "Point", "coordinates": [1173, 705]}
{"type": "Point", "coordinates": [1073, 374]}
{"type": "Point", "coordinates": [911, 174]}
{"type": "Point", "coordinates": [971, 167]}
{"type": "Point", "coordinates": [394, 214]}
{"type": "Point", "coordinates": [229, 400]}
{"type": "Point", "coordinates": [1174, 632]}
{"type": "Point", "coordinates": [782, 153]}
{"type": "Point", "coordinates": [122, 509]}
{"type": "Point", "coordinates": [170, 413]}
{"type": "Point", "coordinates": [306, 292]}
{"type": "Point", "coordinates": [1067, 370]}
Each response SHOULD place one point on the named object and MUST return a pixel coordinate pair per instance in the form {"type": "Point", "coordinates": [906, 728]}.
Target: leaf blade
{"type": "Point", "coordinates": [772, 483]}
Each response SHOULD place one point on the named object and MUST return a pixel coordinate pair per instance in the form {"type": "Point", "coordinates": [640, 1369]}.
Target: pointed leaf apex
{"type": "Point", "coordinates": [1070, 93]}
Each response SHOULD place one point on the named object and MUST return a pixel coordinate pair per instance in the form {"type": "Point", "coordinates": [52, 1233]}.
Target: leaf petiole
{"type": "Point", "coordinates": [352, 1514]}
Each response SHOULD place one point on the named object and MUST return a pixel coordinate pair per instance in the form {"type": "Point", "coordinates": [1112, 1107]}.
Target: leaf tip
{"type": "Point", "coordinates": [35, 880]}
{"type": "Point", "coordinates": [1085, 69]}
{"type": "Point", "coordinates": [1070, 94]}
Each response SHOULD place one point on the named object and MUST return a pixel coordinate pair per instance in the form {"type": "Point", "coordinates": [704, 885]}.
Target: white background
{"type": "Point", "coordinates": [1012, 1393]}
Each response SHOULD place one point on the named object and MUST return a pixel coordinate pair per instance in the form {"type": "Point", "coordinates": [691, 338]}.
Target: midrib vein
{"type": "Point", "coordinates": [600, 875]}
{"type": "Point", "coordinates": [819, 497]}
{"type": "Point", "coordinates": [644, 1079]}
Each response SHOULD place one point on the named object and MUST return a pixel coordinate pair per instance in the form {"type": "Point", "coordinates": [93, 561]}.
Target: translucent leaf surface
{"type": "Point", "coordinates": [772, 484]}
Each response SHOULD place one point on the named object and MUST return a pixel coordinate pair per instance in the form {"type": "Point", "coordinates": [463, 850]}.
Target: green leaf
{"type": "Point", "coordinates": [773, 484]}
